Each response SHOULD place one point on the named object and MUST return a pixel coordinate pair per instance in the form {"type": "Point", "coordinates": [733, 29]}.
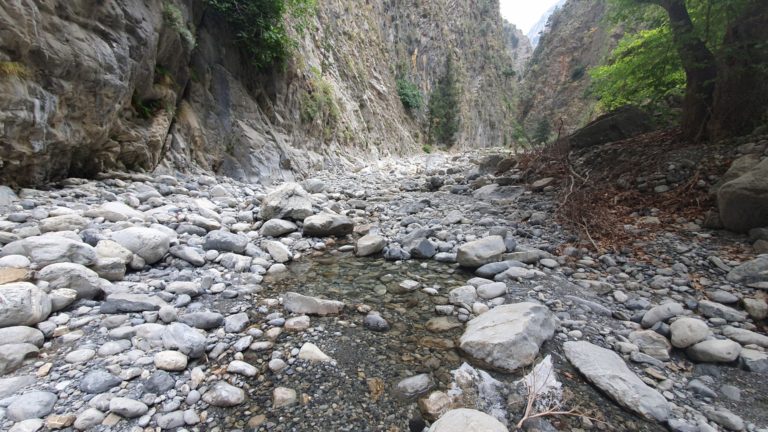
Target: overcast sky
{"type": "Point", "coordinates": [524, 13]}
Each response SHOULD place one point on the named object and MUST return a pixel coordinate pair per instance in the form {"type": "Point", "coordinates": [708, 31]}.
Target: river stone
{"type": "Point", "coordinates": [661, 313]}
{"type": "Point", "coordinates": [188, 254]}
{"type": "Point", "coordinates": [236, 323]}
{"type": "Point", "coordinates": [743, 202]}
{"type": "Point", "coordinates": [492, 269]}
{"type": "Point", "coordinates": [312, 353]}
{"type": "Point", "coordinates": [21, 334]}
{"type": "Point", "coordinates": [11, 275]}
{"type": "Point", "coordinates": [369, 245]}
{"type": "Point", "coordinates": [301, 304]}
{"type": "Point", "coordinates": [327, 224]}
{"type": "Point", "coordinates": [205, 320]}
{"type": "Point", "coordinates": [751, 272]}
{"type": "Point", "coordinates": [711, 309]}
{"type": "Point", "coordinates": [173, 361]}
{"type": "Point", "coordinates": [128, 408]}
{"type": "Point", "coordinates": [34, 404]}
{"type": "Point", "coordinates": [67, 222]}
{"type": "Point", "coordinates": [508, 337]}
{"type": "Point", "coordinates": [23, 303]}
{"type": "Point", "coordinates": [277, 228]}
{"type": "Point", "coordinates": [114, 211]}
{"type": "Point", "coordinates": [714, 351]}
{"type": "Point", "coordinates": [185, 339]}
{"type": "Point", "coordinates": [112, 249]}
{"type": "Point", "coordinates": [225, 241]}
{"type": "Point", "coordinates": [9, 386]}
{"type": "Point", "coordinates": [289, 201]}
{"type": "Point", "coordinates": [7, 196]}
{"type": "Point", "coordinates": [651, 343]}
{"type": "Point", "coordinates": [480, 252]}
{"type": "Point", "coordinates": [61, 298]}
{"type": "Point", "coordinates": [749, 359]}
{"type": "Point", "coordinates": [242, 368]}
{"type": "Point", "coordinates": [278, 251]}
{"type": "Point", "coordinates": [12, 356]}
{"type": "Point", "coordinates": [283, 396]}
{"type": "Point", "coordinates": [465, 420]}
{"type": "Point", "coordinates": [223, 394]}
{"type": "Point", "coordinates": [414, 386]}
{"type": "Point", "coordinates": [688, 331]}
{"type": "Point", "coordinates": [90, 418]}
{"type": "Point", "coordinates": [743, 336]}
{"type": "Point", "coordinates": [606, 370]}
{"type": "Point", "coordinates": [98, 381]}
{"type": "Point", "coordinates": [492, 290]}
{"type": "Point", "coordinates": [148, 243]}
{"type": "Point", "coordinates": [51, 249]}
{"type": "Point", "coordinates": [73, 276]}
{"type": "Point", "coordinates": [374, 321]}
{"type": "Point", "coordinates": [127, 302]}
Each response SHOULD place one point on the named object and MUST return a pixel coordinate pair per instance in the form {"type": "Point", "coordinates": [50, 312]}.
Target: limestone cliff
{"type": "Point", "coordinates": [519, 48]}
{"type": "Point", "coordinates": [555, 87]}
{"type": "Point", "coordinates": [89, 86]}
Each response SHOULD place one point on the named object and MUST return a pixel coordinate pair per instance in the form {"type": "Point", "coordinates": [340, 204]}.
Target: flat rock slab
{"type": "Point", "coordinates": [608, 372]}
{"type": "Point", "coordinates": [508, 337]}
{"type": "Point", "coordinates": [301, 304]}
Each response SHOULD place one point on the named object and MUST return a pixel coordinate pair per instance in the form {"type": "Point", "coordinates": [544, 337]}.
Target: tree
{"type": "Point", "coordinates": [444, 107]}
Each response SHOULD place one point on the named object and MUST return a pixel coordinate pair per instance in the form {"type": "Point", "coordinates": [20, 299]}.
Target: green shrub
{"type": "Point", "coordinates": [427, 148]}
{"type": "Point", "coordinates": [542, 133]}
{"type": "Point", "coordinates": [260, 26]}
{"type": "Point", "coordinates": [409, 94]}
{"type": "Point", "coordinates": [13, 69]}
{"type": "Point", "coordinates": [444, 108]}
{"type": "Point", "coordinates": [320, 103]}
{"type": "Point", "coordinates": [175, 18]}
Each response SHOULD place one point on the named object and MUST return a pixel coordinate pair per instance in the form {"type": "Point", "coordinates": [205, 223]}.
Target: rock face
{"type": "Point", "coordinates": [22, 303]}
{"type": "Point", "coordinates": [327, 224]}
{"type": "Point", "coordinates": [480, 252]}
{"type": "Point", "coordinates": [464, 419]}
{"type": "Point", "coordinates": [508, 337]}
{"type": "Point", "coordinates": [743, 202]}
{"type": "Point", "coordinates": [606, 370]}
{"type": "Point", "coordinates": [76, 109]}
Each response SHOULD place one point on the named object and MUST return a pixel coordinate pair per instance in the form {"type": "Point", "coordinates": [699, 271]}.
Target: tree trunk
{"type": "Point", "coordinates": [741, 97]}
{"type": "Point", "coordinates": [700, 69]}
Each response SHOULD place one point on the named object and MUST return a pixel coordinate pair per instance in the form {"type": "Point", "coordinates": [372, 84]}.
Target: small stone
{"type": "Point", "coordinates": [311, 352]}
{"type": "Point", "coordinates": [127, 408]}
{"type": "Point", "coordinates": [282, 397]}
{"type": "Point", "coordinates": [170, 361]}
{"type": "Point", "coordinates": [242, 368]}
{"type": "Point", "coordinates": [223, 394]}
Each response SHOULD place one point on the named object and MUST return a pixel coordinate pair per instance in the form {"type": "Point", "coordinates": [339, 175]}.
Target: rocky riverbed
{"type": "Point", "coordinates": [380, 298]}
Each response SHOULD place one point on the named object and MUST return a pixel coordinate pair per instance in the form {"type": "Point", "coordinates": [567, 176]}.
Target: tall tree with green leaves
{"type": "Point", "coordinates": [444, 107]}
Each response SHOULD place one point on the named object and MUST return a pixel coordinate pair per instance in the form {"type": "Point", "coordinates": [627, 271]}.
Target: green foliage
{"type": "Point", "coordinates": [409, 94]}
{"type": "Point", "coordinates": [175, 19]}
{"type": "Point", "coordinates": [146, 108]}
{"type": "Point", "coordinates": [426, 148]}
{"type": "Point", "coordinates": [320, 104]}
{"type": "Point", "coordinates": [444, 108]}
{"type": "Point", "coordinates": [10, 69]}
{"type": "Point", "coordinates": [578, 73]}
{"type": "Point", "coordinates": [260, 26]}
{"type": "Point", "coordinates": [543, 132]}
{"type": "Point", "coordinates": [643, 70]}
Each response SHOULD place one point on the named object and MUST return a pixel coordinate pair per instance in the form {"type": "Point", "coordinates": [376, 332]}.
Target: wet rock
{"type": "Point", "coordinates": [223, 394]}
{"type": "Point", "coordinates": [34, 404]}
{"type": "Point", "coordinates": [374, 321]}
{"type": "Point", "coordinates": [606, 370]}
{"type": "Point", "coordinates": [464, 419]}
{"type": "Point", "coordinates": [369, 245]}
{"type": "Point", "coordinates": [327, 224]}
{"type": "Point", "coordinates": [289, 201]}
{"type": "Point", "coordinates": [688, 331]}
{"type": "Point", "coordinates": [301, 304]}
{"type": "Point", "coordinates": [508, 337]}
{"type": "Point", "coordinates": [714, 351]}
{"type": "Point", "coordinates": [128, 408]}
{"type": "Point", "coordinates": [23, 304]}
{"type": "Point", "coordinates": [148, 243]}
{"type": "Point", "coordinates": [492, 269]}
{"type": "Point", "coordinates": [414, 386]}
{"type": "Point", "coordinates": [480, 252]}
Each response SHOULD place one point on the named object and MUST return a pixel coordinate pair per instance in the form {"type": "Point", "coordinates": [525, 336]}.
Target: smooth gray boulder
{"type": "Point", "coordinates": [327, 224]}
{"type": "Point", "coordinates": [225, 241]}
{"type": "Point", "coordinates": [85, 281]}
{"type": "Point", "coordinates": [222, 394]}
{"type": "Point", "coordinates": [688, 331]}
{"type": "Point", "coordinates": [714, 351]}
{"type": "Point", "coordinates": [51, 249]}
{"type": "Point", "coordinates": [23, 304]}
{"type": "Point", "coordinates": [277, 228]}
{"type": "Point", "coordinates": [751, 272]}
{"type": "Point", "coordinates": [466, 420]}
{"type": "Point", "coordinates": [185, 339]}
{"type": "Point", "coordinates": [480, 252]}
{"type": "Point", "coordinates": [369, 245]}
{"type": "Point", "coordinates": [301, 304]}
{"type": "Point", "coordinates": [289, 201]}
{"type": "Point", "coordinates": [12, 356]}
{"type": "Point", "coordinates": [661, 313]}
{"type": "Point", "coordinates": [148, 243]}
{"type": "Point", "coordinates": [608, 372]}
{"type": "Point", "coordinates": [743, 202]}
{"type": "Point", "coordinates": [508, 337]}
{"type": "Point", "coordinates": [9, 386]}
{"type": "Point", "coordinates": [115, 211]}
{"type": "Point", "coordinates": [128, 302]}
{"type": "Point", "coordinates": [21, 334]}
{"type": "Point", "coordinates": [34, 404]}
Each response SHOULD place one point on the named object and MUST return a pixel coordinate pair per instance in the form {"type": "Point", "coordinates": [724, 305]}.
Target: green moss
{"type": "Point", "coordinates": [175, 19]}
{"type": "Point", "coordinates": [13, 70]}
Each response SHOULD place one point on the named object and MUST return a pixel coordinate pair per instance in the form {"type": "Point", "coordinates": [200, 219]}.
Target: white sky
{"type": "Point", "coordinates": [524, 13]}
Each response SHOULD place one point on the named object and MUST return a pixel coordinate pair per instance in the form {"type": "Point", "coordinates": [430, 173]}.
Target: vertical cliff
{"type": "Point", "coordinates": [556, 83]}
{"type": "Point", "coordinates": [519, 48]}
{"type": "Point", "coordinates": [161, 84]}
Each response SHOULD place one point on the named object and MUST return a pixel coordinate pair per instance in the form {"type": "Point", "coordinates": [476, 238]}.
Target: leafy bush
{"type": "Point", "coordinates": [260, 26]}
{"type": "Point", "coordinates": [320, 103]}
{"type": "Point", "coordinates": [409, 94]}
{"type": "Point", "coordinates": [13, 69]}
{"type": "Point", "coordinates": [444, 108]}
{"type": "Point", "coordinates": [426, 148]}
{"type": "Point", "coordinates": [175, 18]}
{"type": "Point", "coordinates": [542, 133]}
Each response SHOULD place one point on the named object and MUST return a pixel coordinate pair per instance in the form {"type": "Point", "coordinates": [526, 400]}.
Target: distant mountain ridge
{"type": "Point", "coordinates": [534, 34]}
